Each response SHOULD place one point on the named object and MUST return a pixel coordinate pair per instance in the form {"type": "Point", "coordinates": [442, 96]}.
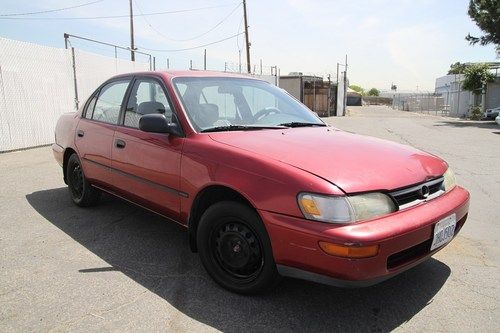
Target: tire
{"type": "Point", "coordinates": [235, 249]}
{"type": "Point", "coordinates": [81, 192]}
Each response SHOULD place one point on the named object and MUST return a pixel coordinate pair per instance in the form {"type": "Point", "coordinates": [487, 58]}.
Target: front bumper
{"type": "Point", "coordinates": [404, 240]}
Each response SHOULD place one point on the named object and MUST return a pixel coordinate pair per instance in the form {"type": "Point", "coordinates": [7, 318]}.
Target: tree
{"type": "Point", "coordinates": [373, 92]}
{"type": "Point", "coordinates": [357, 89]}
{"type": "Point", "coordinates": [457, 68]}
{"type": "Point", "coordinates": [476, 77]}
{"type": "Point", "coordinates": [486, 14]}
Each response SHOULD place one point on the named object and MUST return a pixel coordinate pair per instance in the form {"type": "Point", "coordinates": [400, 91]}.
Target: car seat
{"type": "Point", "coordinates": [207, 114]}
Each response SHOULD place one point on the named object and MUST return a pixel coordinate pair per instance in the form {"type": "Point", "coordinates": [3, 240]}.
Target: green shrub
{"type": "Point", "coordinates": [475, 113]}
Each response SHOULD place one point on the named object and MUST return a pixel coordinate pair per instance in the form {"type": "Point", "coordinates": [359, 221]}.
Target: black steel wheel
{"type": "Point", "coordinates": [76, 181]}
{"type": "Point", "coordinates": [82, 193]}
{"type": "Point", "coordinates": [235, 249]}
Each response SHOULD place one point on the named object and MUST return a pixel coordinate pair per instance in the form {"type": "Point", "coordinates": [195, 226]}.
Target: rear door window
{"type": "Point", "coordinates": [108, 104]}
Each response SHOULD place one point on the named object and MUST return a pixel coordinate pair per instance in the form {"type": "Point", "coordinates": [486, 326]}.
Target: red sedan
{"type": "Point", "coordinates": [263, 186]}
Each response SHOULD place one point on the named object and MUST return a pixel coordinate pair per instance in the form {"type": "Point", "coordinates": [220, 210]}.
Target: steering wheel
{"type": "Point", "coordinates": [265, 112]}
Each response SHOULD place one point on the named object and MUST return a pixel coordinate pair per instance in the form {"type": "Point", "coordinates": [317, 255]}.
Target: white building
{"type": "Point", "coordinates": [456, 100]}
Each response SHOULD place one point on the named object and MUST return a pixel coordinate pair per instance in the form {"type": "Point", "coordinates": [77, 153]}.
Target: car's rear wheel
{"type": "Point", "coordinates": [82, 193]}
{"type": "Point", "coordinates": [235, 249]}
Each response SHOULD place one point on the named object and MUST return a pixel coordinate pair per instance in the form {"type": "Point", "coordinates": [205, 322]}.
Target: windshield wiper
{"type": "Point", "coordinates": [301, 124]}
{"type": "Point", "coordinates": [240, 128]}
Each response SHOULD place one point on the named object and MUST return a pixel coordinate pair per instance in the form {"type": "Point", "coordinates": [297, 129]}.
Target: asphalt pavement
{"type": "Point", "coordinates": [116, 267]}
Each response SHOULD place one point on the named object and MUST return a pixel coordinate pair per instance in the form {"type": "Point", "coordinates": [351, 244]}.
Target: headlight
{"type": "Point", "coordinates": [344, 209]}
{"type": "Point", "coordinates": [449, 180]}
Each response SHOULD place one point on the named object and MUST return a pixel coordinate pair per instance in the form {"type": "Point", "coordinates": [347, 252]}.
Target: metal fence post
{"type": "Point", "coordinates": [205, 60]}
{"type": "Point", "coordinates": [314, 94]}
{"type": "Point", "coordinates": [73, 64]}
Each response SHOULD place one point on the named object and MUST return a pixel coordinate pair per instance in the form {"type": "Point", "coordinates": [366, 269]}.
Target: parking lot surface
{"type": "Point", "coordinates": [116, 267]}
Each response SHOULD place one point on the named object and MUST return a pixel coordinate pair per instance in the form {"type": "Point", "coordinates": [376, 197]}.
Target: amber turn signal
{"type": "Point", "coordinates": [310, 206]}
{"type": "Point", "coordinates": [349, 251]}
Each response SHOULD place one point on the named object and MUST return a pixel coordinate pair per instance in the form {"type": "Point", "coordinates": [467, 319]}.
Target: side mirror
{"type": "Point", "coordinates": [157, 123]}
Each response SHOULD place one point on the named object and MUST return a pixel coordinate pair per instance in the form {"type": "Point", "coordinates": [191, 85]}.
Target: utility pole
{"type": "Point", "coordinates": [132, 46]}
{"type": "Point", "coordinates": [249, 68]}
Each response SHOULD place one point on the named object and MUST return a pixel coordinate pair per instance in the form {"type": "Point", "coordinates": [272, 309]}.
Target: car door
{"type": "Point", "coordinates": [147, 165]}
{"type": "Point", "coordinates": [94, 132]}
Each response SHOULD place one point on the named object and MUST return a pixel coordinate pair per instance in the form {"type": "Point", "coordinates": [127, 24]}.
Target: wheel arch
{"type": "Point", "coordinates": [204, 199]}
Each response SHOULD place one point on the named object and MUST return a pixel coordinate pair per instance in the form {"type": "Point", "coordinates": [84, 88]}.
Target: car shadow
{"type": "Point", "coordinates": [470, 123]}
{"type": "Point", "coordinates": [155, 253]}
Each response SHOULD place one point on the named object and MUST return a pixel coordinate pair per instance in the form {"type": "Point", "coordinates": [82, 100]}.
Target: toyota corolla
{"type": "Point", "coordinates": [263, 186]}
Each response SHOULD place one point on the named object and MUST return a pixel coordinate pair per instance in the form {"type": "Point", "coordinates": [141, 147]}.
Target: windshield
{"type": "Point", "coordinates": [223, 104]}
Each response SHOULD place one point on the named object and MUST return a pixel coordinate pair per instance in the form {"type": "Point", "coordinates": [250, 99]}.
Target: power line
{"type": "Point", "coordinates": [238, 39]}
{"type": "Point", "coordinates": [53, 10]}
{"type": "Point", "coordinates": [191, 38]}
{"type": "Point", "coordinates": [195, 47]}
{"type": "Point", "coordinates": [113, 16]}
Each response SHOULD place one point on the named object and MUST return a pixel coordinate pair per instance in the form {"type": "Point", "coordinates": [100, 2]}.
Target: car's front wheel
{"type": "Point", "coordinates": [82, 193]}
{"type": "Point", "coordinates": [235, 249]}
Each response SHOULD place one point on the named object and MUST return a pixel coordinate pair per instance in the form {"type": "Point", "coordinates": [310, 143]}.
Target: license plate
{"type": "Point", "coordinates": [444, 231]}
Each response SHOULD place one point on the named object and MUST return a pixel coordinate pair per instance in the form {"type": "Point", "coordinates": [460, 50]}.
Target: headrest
{"type": "Point", "coordinates": [150, 107]}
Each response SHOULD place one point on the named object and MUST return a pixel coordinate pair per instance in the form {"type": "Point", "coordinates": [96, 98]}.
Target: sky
{"type": "Point", "coordinates": [406, 42]}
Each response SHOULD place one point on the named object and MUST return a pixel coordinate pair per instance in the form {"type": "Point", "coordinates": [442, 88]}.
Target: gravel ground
{"type": "Point", "coordinates": [117, 267]}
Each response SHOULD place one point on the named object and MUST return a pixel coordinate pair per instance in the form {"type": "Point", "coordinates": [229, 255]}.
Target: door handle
{"type": "Point", "coordinates": [80, 133]}
{"type": "Point", "coordinates": [120, 144]}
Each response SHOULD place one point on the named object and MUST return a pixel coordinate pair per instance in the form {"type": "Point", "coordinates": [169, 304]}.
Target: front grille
{"type": "Point", "coordinates": [412, 195]}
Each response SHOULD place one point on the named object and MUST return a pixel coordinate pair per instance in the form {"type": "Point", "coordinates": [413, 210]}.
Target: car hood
{"type": "Point", "coordinates": [353, 162]}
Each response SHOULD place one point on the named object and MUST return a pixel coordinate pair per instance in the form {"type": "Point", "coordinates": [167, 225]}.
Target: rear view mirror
{"type": "Point", "coordinates": [229, 89]}
{"type": "Point", "coordinates": [157, 123]}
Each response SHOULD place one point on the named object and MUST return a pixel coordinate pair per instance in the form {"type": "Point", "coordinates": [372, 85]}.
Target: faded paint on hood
{"type": "Point", "coordinates": [355, 163]}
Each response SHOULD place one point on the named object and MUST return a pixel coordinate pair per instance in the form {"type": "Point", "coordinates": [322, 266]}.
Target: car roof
{"type": "Point", "coordinates": [189, 73]}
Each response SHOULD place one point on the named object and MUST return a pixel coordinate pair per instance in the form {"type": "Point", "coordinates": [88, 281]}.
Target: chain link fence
{"type": "Point", "coordinates": [429, 103]}
{"type": "Point", "coordinates": [256, 69]}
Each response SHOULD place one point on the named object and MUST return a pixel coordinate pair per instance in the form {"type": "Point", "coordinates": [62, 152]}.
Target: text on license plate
{"type": "Point", "coordinates": [444, 231]}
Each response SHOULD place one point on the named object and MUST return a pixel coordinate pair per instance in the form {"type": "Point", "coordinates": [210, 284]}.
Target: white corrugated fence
{"type": "Point", "coordinates": [37, 86]}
